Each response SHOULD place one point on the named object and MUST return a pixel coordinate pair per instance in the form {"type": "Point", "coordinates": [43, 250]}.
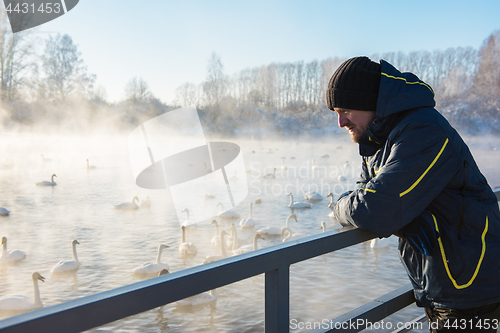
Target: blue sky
{"type": "Point", "coordinates": [168, 43]}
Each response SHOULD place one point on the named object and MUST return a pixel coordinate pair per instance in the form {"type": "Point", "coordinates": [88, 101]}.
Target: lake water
{"type": "Point", "coordinates": [44, 221]}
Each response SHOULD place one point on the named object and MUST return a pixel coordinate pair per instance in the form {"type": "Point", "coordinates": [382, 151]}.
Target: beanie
{"type": "Point", "coordinates": [354, 85]}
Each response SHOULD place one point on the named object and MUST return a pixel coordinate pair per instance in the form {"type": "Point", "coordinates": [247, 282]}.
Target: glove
{"type": "Point", "coordinates": [421, 234]}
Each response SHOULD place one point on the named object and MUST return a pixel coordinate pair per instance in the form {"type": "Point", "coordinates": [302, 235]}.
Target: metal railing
{"type": "Point", "coordinates": [105, 307]}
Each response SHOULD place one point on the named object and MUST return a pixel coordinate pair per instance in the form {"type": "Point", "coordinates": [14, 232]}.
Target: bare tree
{"type": "Point", "coordinates": [15, 53]}
{"type": "Point", "coordinates": [487, 78]}
{"type": "Point", "coordinates": [64, 69]}
{"type": "Point", "coordinates": [186, 94]}
{"type": "Point", "coordinates": [137, 89]}
{"type": "Point", "coordinates": [216, 83]}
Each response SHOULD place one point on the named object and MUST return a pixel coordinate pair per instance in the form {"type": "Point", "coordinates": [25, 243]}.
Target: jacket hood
{"type": "Point", "coordinates": [399, 93]}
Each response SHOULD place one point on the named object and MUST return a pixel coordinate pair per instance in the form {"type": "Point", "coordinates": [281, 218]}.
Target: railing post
{"type": "Point", "coordinates": [277, 300]}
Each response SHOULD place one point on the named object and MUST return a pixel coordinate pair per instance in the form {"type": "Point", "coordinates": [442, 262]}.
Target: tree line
{"type": "Point", "coordinates": [46, 80]}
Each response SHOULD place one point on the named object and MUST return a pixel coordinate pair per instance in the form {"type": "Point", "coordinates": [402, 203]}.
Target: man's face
{"type": "Point", "coordinates": [355, 121]}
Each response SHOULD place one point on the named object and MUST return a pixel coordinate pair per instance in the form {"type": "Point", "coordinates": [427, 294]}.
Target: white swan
{"type": "Point", "coordinates": [275, 231]}
{"type": "Point", "coordinates": [270, 175]}
{"type": "Point", "coordinates": [313, 196]}
{"type": "Point", "coordinates": [323, 226]}
{"type": "Point", "coordinates": [331, 205]}
{"type": "Point", "coordinates": [226, 214]}
{"type": "Point", "coordinates": [248, 248]}
{"type": "Point", "coordinates": [216, 238]}
{"type": "Point", "coordinates": [297, 204]}
{"type": "Point", "coordinates": [248, 223]}
{"type": "Point", "coordinates": [186, 248]}
{"type": "Point", "coordinates": [346, 166]}
{"type": "Point", "coordinates": [90, 166]}
{"type": "Point", "coordinates": [45, 159]}
{"type": "Point", "coordinates": [314, 167]}
{"type": "Point", "coordinates": [232, 241]}
{"type": "Point", "coordinates": [283, 166]}
{"type": "Point", "coordinates": [378, 243]}
{"type": "Point", "coordinates": [289, 235]}
{"type": "Point", "coordinates": [146, 203]}
{"type": "Point", "coordinates": [10, 256]}
{"type": "Point", "coordinates": [199, 299]}
{"type": "Point", "coordinates": [4, 211]}
{"type": "Point", "coordinates": [21, 302]}
{"type": "Point", "coordinates": [223, 253]}
{"type": "Point", "coordinates": [128, 205]}
{"type": "Point", "coordinates": [207, 170]}
{"type": "Point", "coordinates": [67, 266]}
{"type": "Point", "coordinates": [187, 222]}
{"type": "Point", "coordinates": [47, 183]}
{"type": "Point", "coordinates": [149, 268]}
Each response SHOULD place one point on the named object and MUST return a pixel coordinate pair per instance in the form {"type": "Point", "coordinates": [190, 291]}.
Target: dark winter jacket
{"type": "Point", "coordinates": [415, 162]}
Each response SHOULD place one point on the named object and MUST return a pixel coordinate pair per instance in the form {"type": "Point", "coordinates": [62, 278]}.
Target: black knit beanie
{"type": "Point", "coordinates": [354, 85]}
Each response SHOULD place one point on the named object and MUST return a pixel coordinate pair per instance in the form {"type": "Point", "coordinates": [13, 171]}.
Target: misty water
{"type": "Point", "coordinates": [44, 221]}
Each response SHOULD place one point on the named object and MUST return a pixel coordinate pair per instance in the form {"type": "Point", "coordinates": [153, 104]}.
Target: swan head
{"type": "Point", "coordinates": [323, 224]}
{"type": "Point", "coordinates": [135, 198]}
{"type": "Point", "coordinates": [231, 227]}
{"type": "Point", "coordinates": [289, 194]}
{"type": "Point", "coordinates": [294, 217]}
{"type": "Point", "coordinates": [223, 233]}
{"type": "Point", "coordinates": [185, 210]}
{"type": "Point", "coordinates": [54, 175]}
{"type": "Point", "coordinates": [36, 276]}
{"type": "Point", "coordinates": [330, 195]}
{"type": "Point", "coordinates": [162, 246]}
{"type": "Point", "coordinates": [4, 240]}
{"type": "Point", "coordinates": [330, 205]}
{"type": "Point", "coordinates": [258, 236]}
{"type": "Point", "coordinates": [74, 242]}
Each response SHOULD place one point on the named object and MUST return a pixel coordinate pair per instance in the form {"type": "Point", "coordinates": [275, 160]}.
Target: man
{"type": "Point", "coordinates": [420, 182]}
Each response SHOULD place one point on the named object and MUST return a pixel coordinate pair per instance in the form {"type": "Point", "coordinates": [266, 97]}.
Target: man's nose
{"type": "Point", "coordinates": [342, 120]}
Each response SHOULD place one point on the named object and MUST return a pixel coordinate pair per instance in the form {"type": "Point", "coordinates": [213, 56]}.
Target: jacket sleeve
{"type": "Point", "coordinates": [420, 165]}
{"type": "Point", "coordinates": [364, 177]}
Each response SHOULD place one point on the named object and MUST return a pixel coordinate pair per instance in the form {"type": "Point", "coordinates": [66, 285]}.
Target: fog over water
{"type": "Point", "coordinates": [44, 220]}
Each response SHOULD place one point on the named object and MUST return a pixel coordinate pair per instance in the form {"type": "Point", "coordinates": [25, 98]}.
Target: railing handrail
{"type": "Point", "coordinates": [102, 308]}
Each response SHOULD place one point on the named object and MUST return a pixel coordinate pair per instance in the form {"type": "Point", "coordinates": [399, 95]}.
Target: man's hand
{"type": "Point", "coordinates": [421, 234]}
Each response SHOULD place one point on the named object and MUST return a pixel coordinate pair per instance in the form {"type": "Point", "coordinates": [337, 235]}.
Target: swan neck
{"type": "Point", "coordinates": [4, 247]}
{"type": "Point", "coordinates": [255, 242]}
{"type": "Point", "coordinates": [36, 293]}
{"type": "Point", "coordinates": [291, 199]}
{"type": "Point", "coordinates": [235, 239]}
{"type": "Point", "coordinates": [75, 257]}
{"type": "Point", "coordinates": [250, 210]}
{"type": "Point", "coordinates": [158, 256]}
{"type": "Point", "coordinates": [183, 236]}
{"type": "Point", "coordinates": [288, 234]}
{"type": "Point", "coordinates": [52, 178]}
{"type": "Point", "coordinates": [288, 221]}
{"type": "Point", "coordinates": [222, 246]}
